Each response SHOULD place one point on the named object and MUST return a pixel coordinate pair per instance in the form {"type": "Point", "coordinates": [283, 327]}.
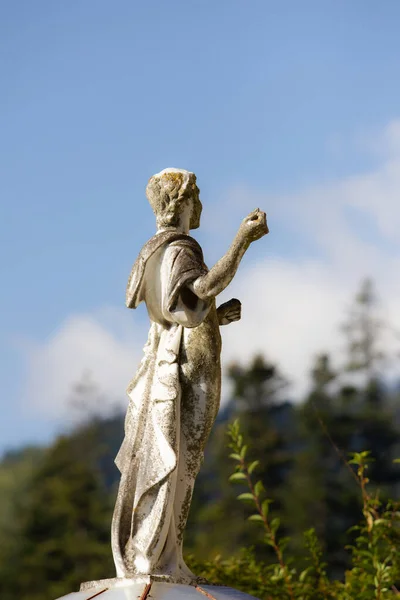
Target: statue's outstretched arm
{"type": "Point", "coordinates": [252, 228]}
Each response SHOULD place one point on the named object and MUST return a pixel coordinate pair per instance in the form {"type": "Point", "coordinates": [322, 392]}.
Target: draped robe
{"type": "Point", "coordinates": [174, 399]}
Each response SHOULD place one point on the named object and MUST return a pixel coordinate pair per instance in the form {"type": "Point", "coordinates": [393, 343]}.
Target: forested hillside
{"type": "Point", "coordinates": [56, 502]}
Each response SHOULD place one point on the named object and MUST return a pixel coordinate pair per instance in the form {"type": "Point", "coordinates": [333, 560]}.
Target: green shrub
{"type": "Point", "coordinates": [374, 572]}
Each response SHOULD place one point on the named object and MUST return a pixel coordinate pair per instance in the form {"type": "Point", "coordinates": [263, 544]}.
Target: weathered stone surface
{"type": "Point", "coordinates": [175, 394]}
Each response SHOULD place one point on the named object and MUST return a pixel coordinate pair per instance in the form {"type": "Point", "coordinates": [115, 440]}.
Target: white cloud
{"type": "Point", "coordinates": [292, 307]}
{"type": "Point", "coordinates": [103, 349]}
{"type": "Point", "coordinates": [290, 313]}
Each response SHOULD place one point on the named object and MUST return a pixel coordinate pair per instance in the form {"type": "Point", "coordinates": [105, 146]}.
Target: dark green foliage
{"type": "Point", "coordinates": [56, 503]}
{"type": "Point", "coordinates": [243, 572]}
{"type": "Point", "coordinates": [65, 523]}
{"type": "Point", "coordinates": [16, 473]}
{"type": "Point", "coordinates": [321, 490]}
{"type": "Point", "coordinates": [374, 570]}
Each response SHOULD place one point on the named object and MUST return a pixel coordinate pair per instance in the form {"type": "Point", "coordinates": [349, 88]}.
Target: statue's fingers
{"type": "Point", "coordinates": [253, 216]}
{"type": "Point", "coordinates": [234, 316]}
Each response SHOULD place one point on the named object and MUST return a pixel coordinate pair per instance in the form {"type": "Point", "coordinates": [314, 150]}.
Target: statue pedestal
{"type": "Point", "coordinates": [158, 591]}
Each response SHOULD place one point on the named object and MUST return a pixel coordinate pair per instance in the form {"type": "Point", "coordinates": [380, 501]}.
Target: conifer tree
{"type": "Point", "coordinates": [375, 428]}
{"type": "Point", "coordinates": [363, 329]}
{"type": "Point", "coordinates": [64, 538]}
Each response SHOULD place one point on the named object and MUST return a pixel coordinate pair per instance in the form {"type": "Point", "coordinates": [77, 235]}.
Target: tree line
{"type": "Point", "coordinates": [56, 502]}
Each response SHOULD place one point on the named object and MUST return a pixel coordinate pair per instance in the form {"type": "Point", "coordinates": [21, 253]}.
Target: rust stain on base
{"type": "Point", "coordinates": [98, 594]}
{"type": "Point", "coordinates": [205, 593]}
{"type": "Point", "coordinates": [146, 591]}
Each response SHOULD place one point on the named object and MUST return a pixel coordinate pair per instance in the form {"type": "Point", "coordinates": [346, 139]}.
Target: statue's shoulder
{"type": "Point", "coordinates": [172, 238]}
{"type": "Point", "coordinates": [185, 241]}
{"type": "Point", "coordinates": [150, 247]}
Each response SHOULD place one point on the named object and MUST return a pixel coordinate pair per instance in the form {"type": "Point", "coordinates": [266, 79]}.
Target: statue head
{"type": "Point", "coordinates": [170, 192]}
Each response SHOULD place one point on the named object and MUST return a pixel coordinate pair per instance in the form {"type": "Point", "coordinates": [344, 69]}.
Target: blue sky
{"type": "Point", "coordinates": [291, 104]}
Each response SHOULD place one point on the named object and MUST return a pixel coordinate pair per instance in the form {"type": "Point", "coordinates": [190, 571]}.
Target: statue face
{"type": "Point", "coordinates": [197, 207]}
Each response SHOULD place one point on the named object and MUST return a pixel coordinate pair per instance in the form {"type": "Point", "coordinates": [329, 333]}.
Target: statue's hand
{"type": "Point", "coordinates": [229, 311]}
{"type": "Point", "coordinates": [254, 226]}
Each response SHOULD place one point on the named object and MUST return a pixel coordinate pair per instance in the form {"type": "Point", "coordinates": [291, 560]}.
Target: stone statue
{"type": "Point", "coordinates": [175, 394]}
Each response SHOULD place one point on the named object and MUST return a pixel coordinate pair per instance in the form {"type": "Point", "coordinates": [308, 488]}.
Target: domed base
{"type": "Point", "coordinates": [124, 589]}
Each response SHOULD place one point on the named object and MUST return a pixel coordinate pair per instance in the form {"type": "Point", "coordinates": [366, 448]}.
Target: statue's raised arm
{"type": "Point", "coordinates": [252, 228]}
{"type": "Point", "coordinates": [175, 394]}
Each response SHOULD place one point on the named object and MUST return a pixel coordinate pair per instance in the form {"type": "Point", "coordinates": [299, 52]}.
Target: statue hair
{"type": "Point", "coordinates": [165, 191]}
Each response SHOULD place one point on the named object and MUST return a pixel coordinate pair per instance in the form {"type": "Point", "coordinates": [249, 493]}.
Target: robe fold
{"type": "Point", "coordinates": [174, 398]}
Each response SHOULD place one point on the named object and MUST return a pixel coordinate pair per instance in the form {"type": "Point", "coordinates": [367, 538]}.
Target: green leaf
{"type": "Point", "coordinates": [254, 465]}
{"type": "Point", "coordinates": [275, 523]}
{"type": "Point", "coordinates": [265, 507]}
{"type": "Point", "coordinates": [246, 497]}
{"type": "Point", "coordinates": [259, 488]}
{"type": "Point", "coordinates": [237, 477]}
{"type": "Point", "coordinates": [283, 542]}
{"type": "Point", "coordinates": [304, 574]}
{"type": "Point", "coordinates": [360, 458]}
{"type": "Point", "coordinates": [378, 522]}
{"type": "Point", "coordinates": [235, 456]}
{"type": "Point", "coordinates": [269, 541]}
{"type": "Point", "coordinates": [397, 460]}
{"type": "Point", "coordinates": [243, 452]}
{"type": "Point", "coordinates": [256, 518]}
